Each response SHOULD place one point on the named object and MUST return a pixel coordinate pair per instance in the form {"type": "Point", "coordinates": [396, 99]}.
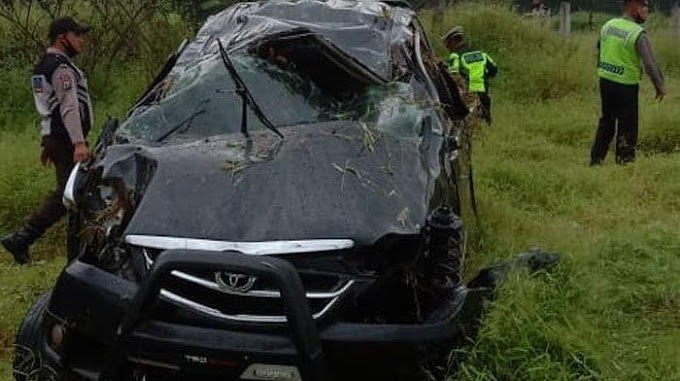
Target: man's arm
{"type": "Point", "coordinates": [454, 63]}
{"type": "Point", "coordinates": [644, 49]}
{"type": "Point", "coordinates": [65, 86]}
{"type": "Point", "coordinates": [491, 67]}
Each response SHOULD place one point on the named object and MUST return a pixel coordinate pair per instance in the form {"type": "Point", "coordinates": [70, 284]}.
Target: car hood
{"type": "Point", "coordinates": [332, 180]}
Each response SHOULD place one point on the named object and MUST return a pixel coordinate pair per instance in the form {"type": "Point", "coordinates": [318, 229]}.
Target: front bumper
{"type": "Point", "coordinates": [106, 312]}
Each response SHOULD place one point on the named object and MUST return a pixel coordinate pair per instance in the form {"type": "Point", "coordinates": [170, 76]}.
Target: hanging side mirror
{"type": "Point", "coordinates": [107, 135]}
{"type": "Point", "coordinates": [451, 142]}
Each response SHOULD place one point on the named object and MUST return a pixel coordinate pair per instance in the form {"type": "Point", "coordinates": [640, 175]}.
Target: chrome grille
{"type": "Point", "coordinates": [246, 300]}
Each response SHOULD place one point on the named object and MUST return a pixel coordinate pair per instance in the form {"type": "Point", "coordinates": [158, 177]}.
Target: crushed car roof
{"type": "Point", "coordinates": [368, 31]}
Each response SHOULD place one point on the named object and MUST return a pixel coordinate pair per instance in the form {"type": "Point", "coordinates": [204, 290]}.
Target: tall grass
{"type": "Point", "coordinates": [520, 45]}
{"type": "Point", "coordinates": [610, 311]}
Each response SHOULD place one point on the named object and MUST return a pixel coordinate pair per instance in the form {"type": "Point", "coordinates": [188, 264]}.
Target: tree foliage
{"type": "Point", "coordinates": [122, 29]}
{"type": "Point", "coordinates": [198, 10]}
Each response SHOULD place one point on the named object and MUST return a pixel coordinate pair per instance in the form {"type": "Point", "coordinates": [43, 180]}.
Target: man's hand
{"type": "Point", "coordinates": [81, 152]}
{"type": "Point", "coordinates": [44, 157]}
{"type": "Point", "coordinates": [660, 94]}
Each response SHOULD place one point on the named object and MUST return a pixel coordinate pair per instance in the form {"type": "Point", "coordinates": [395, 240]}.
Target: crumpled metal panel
{"type": "Point", "coordinates": [360, 179]}
{"type": "Point", "coordinates": [365, 30]}
{"type": "Point", "coordinates": [315, 183]}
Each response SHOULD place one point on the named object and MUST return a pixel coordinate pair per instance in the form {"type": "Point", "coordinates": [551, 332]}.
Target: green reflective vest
{"type": "Point", "coordinates": [473, 65]}
{"type": "Point", "coordinates": [619, 61]}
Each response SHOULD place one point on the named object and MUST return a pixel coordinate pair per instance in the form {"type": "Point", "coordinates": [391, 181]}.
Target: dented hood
{"type": "Point", "coordinates": [332, 180]}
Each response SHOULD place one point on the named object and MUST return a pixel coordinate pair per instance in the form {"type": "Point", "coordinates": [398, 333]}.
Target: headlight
{"type": "Point", "coordinates": [69, 198]}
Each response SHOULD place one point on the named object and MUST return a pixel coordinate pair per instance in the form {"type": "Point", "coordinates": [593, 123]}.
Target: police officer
{"type": "Point", "coordinates": [624, 49]}
{"type": "Point", "coordinates": [538, 9]}
{"type": "Point", "coordinates": [473, 65]}
{"type": "Point", "coordinates": [63, 103]}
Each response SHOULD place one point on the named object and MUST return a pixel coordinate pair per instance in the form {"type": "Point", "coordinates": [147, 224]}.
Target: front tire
{"type": "Point", "coordinates": [29, 363]}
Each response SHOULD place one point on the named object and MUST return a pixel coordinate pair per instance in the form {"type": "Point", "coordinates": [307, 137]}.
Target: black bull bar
{"type": "Point", "coordinates": [125, 306]}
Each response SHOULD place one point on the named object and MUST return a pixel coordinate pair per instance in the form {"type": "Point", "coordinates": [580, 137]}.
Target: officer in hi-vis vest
{"type": "Point", "coordinates": [624, 49]}
{"type": "Point", "coordinates": [475, 66]}
{"type": "Point", "coordinates": [63, 103]}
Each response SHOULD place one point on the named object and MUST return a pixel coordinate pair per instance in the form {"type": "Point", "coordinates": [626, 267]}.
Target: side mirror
{"type": "Point", "coordinates": [451, 142]}
{"type": "Point", "coordinates": [106, 137]}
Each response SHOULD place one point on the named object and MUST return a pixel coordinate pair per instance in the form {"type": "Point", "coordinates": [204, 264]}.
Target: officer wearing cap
{"type": "Point", "coordinates": [623, 50]}
{"type": "Point", "coordinates": [475, 66]}
{"type": "Point", "coordinates": [63, 103]}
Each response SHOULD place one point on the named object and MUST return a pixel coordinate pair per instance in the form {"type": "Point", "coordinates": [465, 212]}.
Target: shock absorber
{"type": "Point", "coordinates": [443, 234]}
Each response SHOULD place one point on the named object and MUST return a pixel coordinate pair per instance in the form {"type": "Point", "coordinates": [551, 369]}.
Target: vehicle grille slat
{"type": "Point", "coordinates": [184, 302]}
{"type": "Point", "coordinates": [258, 293]}
{"type": "Point", "coordinates": [210, 293]}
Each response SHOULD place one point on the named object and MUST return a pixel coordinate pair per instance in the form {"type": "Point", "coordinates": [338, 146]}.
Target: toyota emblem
{"type": "Point", "coordinates": [234, 283]}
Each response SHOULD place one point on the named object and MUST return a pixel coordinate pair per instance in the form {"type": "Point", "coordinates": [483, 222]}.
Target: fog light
{"type": "Point", "coordinates": [271, 372]}
{"type": "Point", "coordinates": [56, 336]}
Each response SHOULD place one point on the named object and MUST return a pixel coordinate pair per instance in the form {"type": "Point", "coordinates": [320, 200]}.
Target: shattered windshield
{"type": "Point", "coordinates": [201, 101]}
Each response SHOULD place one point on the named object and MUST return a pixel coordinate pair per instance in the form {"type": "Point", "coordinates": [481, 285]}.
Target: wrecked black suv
{"type": "Point", "coordinates": [283, 203]}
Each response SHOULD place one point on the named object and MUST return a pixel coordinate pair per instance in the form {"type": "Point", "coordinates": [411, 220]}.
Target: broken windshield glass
{"type": "Point", "coordinates": [203, 100]}
{"type": "Point", "coordinates": [185, 90]}
{"type": "Point", "coordinates": [247, 99]}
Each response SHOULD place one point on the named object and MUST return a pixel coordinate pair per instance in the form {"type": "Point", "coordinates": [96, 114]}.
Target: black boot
{"type": "Point", "coordinates": [17, 243]}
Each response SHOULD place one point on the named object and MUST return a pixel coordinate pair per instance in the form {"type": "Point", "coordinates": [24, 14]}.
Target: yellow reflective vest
{"type": "Point", "coordinates": [619, 61]}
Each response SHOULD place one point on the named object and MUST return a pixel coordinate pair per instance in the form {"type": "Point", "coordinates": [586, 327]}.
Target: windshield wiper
{"type": "Point", "coordinates": [185, 125]}
{"type": "Point", "coordinates": [246, 97]}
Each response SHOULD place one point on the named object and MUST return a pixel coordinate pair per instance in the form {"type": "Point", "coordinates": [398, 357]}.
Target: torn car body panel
{"type": "Point", "coordinates": [316, 183]}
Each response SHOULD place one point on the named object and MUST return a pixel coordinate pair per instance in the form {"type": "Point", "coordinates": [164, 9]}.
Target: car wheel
{"type": "Point", "coordinates": [29, 363]}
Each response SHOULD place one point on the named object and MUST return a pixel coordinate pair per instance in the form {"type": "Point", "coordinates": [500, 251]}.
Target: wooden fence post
{"type": "Point", "coordinates": [676, 19]}
{"type": "Point", "coordinates": [565, 18]}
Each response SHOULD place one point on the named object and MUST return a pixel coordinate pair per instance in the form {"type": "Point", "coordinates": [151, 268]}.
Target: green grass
{"type": "Point", "coordinates": [610, 311]}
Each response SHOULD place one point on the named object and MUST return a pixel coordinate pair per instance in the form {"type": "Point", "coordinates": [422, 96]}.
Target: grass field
{"type": "Point", "coordinates": [610, 311]}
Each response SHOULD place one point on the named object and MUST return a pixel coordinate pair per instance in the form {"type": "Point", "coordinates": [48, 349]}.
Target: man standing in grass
{"type": "Point", "coordinates": [63, 103]}
{"type": "Point", "coordinates": [624, 48]}
{"type": "Point", "coordinates": [475, 66]}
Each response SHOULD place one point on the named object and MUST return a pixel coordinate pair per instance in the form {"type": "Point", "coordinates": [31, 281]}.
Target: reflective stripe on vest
{"type": "Point", "coordinates": [619, 61]}
{"type": "Point", "coordinates": [45, 98]}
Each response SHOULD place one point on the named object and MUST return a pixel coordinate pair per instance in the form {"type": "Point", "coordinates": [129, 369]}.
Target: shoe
{"type": "Point", "coordinates": [18, 243]}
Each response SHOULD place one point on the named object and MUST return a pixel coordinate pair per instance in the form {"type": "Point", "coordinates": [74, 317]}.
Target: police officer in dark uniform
{"type": "Point", "coordinates": [624, 51]}
{"type": "Point", "coordinates": [63, 102]}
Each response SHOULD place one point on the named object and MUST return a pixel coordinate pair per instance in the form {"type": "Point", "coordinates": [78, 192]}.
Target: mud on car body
{"type": "Point", "coordinates": [285, 202]}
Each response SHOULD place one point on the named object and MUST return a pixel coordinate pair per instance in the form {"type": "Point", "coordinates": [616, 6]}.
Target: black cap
{"type": "Point", "coordinates": [65, 25]}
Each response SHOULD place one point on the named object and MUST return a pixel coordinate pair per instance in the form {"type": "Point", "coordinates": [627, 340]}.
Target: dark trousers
{"type": "Point", "coordinates": [485, 109]}
{"type": "Point", "coordinates": [620, 117]}
{"type": "Point", "coordinates": [60, 152]}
